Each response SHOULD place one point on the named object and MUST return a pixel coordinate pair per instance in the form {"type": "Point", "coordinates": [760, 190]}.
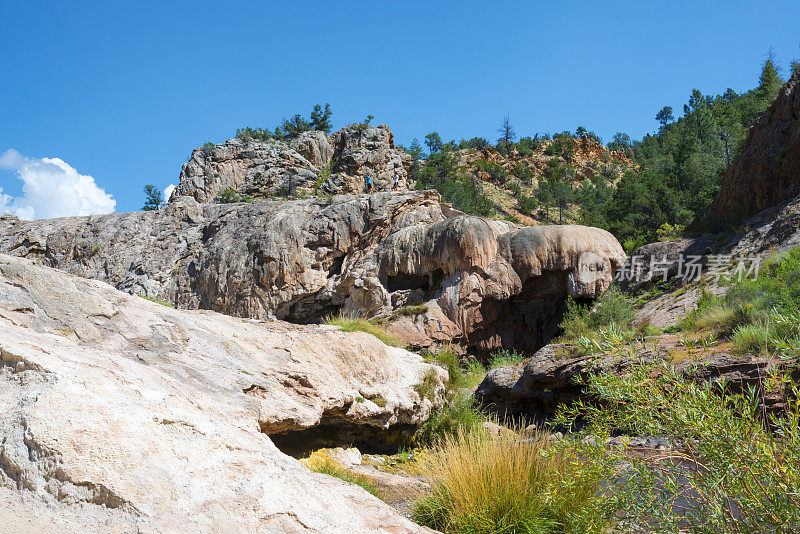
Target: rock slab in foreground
{"type": "Point", "coordinates": [122, 415]}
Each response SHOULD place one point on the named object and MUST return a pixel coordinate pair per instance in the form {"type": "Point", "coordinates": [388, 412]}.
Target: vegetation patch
{"type": "Point", "coordinates": [612, 309]}
{"type": "Point", "coordinates": [333, 468]}
{"type": "Point", "coordinates": [357, 324]}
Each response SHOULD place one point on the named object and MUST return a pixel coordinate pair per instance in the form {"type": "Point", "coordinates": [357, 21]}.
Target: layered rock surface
{"type": "Point", "coordinates": [122, 415]}
{"type": "Point", "coordinates": [482, 283]}
{"type": "Point", "coordinates": [313, 162]}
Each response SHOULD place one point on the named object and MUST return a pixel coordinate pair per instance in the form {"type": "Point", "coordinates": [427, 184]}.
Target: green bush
{"type": "Point", "coordinates": [229, 196]}
{"type": "Point", "coordinates": [749, 304]}
{"type": "Point", "coordinates": [735, 471]}
{"type": "Point", "coordinates": [613, 308]}
{"type": "Point", "coordinates": [505, 358]}
{"type": "Point", "coordinates": [456, 409]}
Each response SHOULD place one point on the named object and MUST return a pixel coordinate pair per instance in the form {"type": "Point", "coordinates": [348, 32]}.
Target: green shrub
{"type": "Point", "coordinates": [456, 409]}
{"type": "Point", "coordinates": [412, 310]}
{"type": "Point", "coordinates": [456, 412]}
{"type": "Point", "coordinates": [322, 178]}
{"type": "Point", "coordinates": [613, 308]}
{"type": "Point", "coordinates": [485, 485]}
{"type": "Point", "coordinates": [207, 149]}
{"type": "Point", "coordinates": [357, 324]}
{"type": "Point", "coordinates": [750, 339]}
{"type": "Point", "coordinates": [751, 301]}
{"type": "Point", "coordinates": [735, 472]}
{"type": "Point", "coordinates": [229, 196]}
{"type": "Point", "coordinates": [427, 386]}
{"type": "Point", "coordinates": [379, 400]}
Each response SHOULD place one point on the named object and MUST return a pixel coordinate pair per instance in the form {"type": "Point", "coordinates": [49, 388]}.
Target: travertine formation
{"type": "Point", "coordinates": [121, 415]}
{"type": "Point", "coordinates": [478, 282]}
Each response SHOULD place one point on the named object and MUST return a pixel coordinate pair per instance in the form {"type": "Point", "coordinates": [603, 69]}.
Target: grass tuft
{"type": "Point", "coordinates": [357, 324]}
{"type": "Point", "coordinates": [332, 468]}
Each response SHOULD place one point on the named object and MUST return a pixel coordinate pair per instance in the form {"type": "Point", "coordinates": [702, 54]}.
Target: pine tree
{"type": "Point", "coordinates": [153, 198]}
{"type": "Point", "coordinates": [770, 80]}
{"type": "Point", "coordinates": [665, 116]}
{"type": "Point", "coordinates": [321, 118]}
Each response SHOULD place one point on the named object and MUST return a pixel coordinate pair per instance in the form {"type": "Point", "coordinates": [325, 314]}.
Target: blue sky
{"type": "Point", "coordinates": [122, 92]}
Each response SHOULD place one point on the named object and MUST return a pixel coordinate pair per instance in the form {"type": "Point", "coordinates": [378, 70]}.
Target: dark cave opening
{"type": "Point", "coordinates": [329, 434]}
{"type": "Point", "coordinates": [526, 322]}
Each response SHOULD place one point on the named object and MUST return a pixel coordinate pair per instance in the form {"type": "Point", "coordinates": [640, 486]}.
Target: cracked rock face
{"type": "Point", "coordinates": [288, 168]}
{"type": "Point", "coordinates": [473, 281]}
{"type": "Point", "coordinates": [121, 415]}
{"type": "Point", "coordinates": [768, 170]}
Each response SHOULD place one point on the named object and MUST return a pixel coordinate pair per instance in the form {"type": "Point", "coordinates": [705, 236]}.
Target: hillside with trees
{"type": "Point", "coordinates": [641, 191]}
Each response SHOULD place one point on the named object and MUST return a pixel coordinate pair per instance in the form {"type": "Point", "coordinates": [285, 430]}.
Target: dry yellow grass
{"type": "Point", "coordinates": [487, 484]}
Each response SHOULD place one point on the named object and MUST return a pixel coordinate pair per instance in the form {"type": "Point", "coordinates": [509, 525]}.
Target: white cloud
{"type": "Point", "coordinates": [51, 188]}
{"type": "Point", "coordinates": [168, 192]}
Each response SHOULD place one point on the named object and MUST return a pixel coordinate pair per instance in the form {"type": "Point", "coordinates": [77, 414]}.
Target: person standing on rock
{"type": "Point", "coordinates": [369, 184]}
{"type": "Point", "coordinates": [396, 181]}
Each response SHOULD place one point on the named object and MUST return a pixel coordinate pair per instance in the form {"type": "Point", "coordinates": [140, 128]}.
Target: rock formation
{"type": "Point", "coordinates": [768, 170]}
{"type": "Point", "coordinates": [478, 282]}
{"type": "Point", "coordinates": [121, 415]}
{"type": "Point", "coordinates": [313, 162]}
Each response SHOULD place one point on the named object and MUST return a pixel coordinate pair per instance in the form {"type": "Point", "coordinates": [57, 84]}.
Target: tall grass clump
{"type": "Point", "coordinates": [613, 308]}
{"type": "Point", "coordinates": [358, 324]}
{"type": "Point", "coordinates": [528, 484]}
{"type": "Point", "coordinates": [737, 470]}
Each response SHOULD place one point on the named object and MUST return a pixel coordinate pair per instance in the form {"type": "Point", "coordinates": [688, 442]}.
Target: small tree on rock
{"type": "Point", "coordinates": [153, 198]}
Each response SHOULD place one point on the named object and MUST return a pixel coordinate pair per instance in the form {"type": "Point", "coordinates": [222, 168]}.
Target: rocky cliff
{"type": "Point", "coordinates": [121, 415]}
{"type": "Point", "coordinates": [768, 170]}
{"type": "Point", "coordinates": [474, 281]}
{"type": "Point", "coordinates": [312, 163]}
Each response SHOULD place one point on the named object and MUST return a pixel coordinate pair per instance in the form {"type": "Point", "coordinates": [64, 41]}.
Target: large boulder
{"type": "Point", "coordinates": [489, 284]}
{"type": "Point", "coordinates": [768, 170]}
{"type": "Point", "coordinates": [122, 415]}
{"type": "Point", "coordinates": [474, 281]}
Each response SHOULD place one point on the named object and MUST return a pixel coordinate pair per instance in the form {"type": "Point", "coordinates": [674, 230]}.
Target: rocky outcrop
{"type": "Point", "coordinates": [121, 415]}
{"type": "Point", "coordinates": [256, 168]}
{"type": "Point", "coordinates": [481, 283]}
{"type": "Point", "coordinates": [551, 377]}
{"type": "Point", "coordinates": [313, 162]}
{"type": "Point", "coordinates": [768, 170]}
{"type": "Point", "coordinates": [361, 150]}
